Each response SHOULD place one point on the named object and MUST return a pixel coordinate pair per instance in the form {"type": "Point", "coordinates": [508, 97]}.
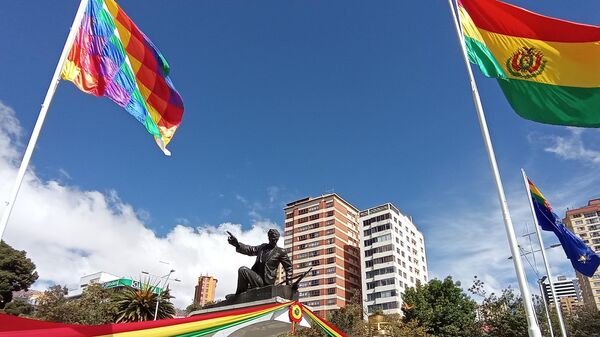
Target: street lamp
{"type": "Point", "coordinates": [166, 277]}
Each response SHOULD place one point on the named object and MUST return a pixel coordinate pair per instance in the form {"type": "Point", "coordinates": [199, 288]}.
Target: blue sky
{"type": "Point", "coordinates": [287, 99]}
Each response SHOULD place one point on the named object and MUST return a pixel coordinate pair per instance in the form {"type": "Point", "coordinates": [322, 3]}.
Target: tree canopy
{"type": "Point", "coordinates": [441, 308]}
{"type": "Point", "coordinates": [17, 272]}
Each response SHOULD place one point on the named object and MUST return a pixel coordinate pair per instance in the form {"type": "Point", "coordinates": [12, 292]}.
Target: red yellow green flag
{"type": "Point", "coordinates": [549, 69]}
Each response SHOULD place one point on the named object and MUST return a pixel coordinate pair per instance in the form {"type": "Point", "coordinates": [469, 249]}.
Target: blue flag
{"type": "Point", "coordinates": [582, 257]}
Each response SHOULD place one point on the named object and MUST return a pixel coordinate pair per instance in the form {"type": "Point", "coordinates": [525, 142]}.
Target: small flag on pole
{"type": "Point", "coordinates": [548, 69]}
{"type": "Point", "coordinates": [111, 57]}
{"type": "Point", "coordinates": [583, 259]}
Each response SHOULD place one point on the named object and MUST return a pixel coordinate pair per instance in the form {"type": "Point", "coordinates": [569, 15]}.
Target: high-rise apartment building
{"type": "Point", "coordinates": [567, 290]}
{"type": "Point", "coordinates": [205, 290]}
{"type": "Point", "coordinates": [585, 222]}
{"type": "Point", "coordinates": [393, 257]}
{"type": "Point", "coordinates": [322, 233]}
{"type": "Point", "coordinates": [563, 287]}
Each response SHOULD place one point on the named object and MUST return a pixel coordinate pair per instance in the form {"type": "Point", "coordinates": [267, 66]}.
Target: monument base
{"type": "Point", "coordinates": [269, 325]}
{"type": "Point", "coordinates": [259, 294]}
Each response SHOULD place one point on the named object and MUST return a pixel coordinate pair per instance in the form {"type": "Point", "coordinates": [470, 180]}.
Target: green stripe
{"type": "Point", "coordinates": [213, 329]}
{"type": "Point", "coordinates": [538, 198]}
{"type": "Point", "coordinates": [553, 104]}
{"type": "Point", "coordinates": [480, 55]}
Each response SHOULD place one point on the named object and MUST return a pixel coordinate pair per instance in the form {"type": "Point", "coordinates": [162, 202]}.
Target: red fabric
{"type": "Point", "coordinates": [16, 326]}
{"type": "Point", "coordinates": [502, 18]}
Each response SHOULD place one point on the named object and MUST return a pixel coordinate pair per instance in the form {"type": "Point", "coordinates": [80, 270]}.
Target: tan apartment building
{"type": "Point", "coordinates": [205, 290]}
{"type": "Point", "coordinates": [585, 222]}
{"type": "Point", "coordinates": [322, 233]}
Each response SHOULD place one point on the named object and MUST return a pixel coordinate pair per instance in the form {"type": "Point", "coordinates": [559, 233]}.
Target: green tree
{"type": "Point", "coordinates": [53, 306]}
{"type": "Point", "coordinates": [193, 307]}
{"type": "Point", "coordinates": [441, 308]}
{"type": "Point", "coordinates": [95, 306]}
{"type": "Point", "coordinates": [17, 272]}
{"type": "Point", "coordinates": [19, 307]}
{"type": "Point", "coordinates": [137, 305]}
{"type": "Point", "coordinates": [504, 315]}
{"type": "Point", "coordinates": [584, 323]}
{"type": "Point", "coordinates": [349, 319]}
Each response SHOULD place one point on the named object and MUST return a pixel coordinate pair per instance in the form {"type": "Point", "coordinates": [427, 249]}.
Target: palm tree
{"type": "Point", "coordinates": [136, 305]}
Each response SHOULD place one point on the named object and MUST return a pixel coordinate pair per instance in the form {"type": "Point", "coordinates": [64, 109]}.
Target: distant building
{"type": "Point", "coordinates": [322, 233]}
{"type": "Point", "coordinates": [567, 290]}
{"type": "Point", "coordinates": [30, 295]}
{"type": "Point", "coordinates": [585, 222]}
{"type": "Point", "coordinates": [107, 281]}
{"type": "Point", "coordinates": [205, 290]}
{"type": "Point", "coordinates": [392, 257]}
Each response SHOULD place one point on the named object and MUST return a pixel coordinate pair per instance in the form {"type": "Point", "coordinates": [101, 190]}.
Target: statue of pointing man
{"type": "Point", "coordinates": [264, 270]}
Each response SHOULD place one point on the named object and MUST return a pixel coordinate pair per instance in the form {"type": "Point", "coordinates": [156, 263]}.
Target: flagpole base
{"type": "Point", "coordinates": [534, 331]}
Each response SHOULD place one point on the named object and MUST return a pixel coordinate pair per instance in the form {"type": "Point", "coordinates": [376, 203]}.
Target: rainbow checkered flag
{"type": "Point", "coordinates": [111, 57]}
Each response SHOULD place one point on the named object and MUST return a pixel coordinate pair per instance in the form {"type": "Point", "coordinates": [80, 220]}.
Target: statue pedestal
{"type": "Point", "coordinates": [259, 294]}
{"type": "Point", "coordinates": [272, 324]}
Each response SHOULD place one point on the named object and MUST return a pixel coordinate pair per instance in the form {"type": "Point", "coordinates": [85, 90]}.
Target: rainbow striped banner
{"type": "Point", "coordinates": [111, 57]}
{"type": "Point", "coordinates": [198, 325]}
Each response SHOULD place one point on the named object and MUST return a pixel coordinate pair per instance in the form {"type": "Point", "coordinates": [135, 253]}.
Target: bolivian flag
{"type": "Point", "coordinates": [549, 69]}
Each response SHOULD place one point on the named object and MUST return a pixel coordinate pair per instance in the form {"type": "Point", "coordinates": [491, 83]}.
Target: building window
{"type": "Point", "coordinates": [378, 283]}
{"type": "Point", "coordinates": [381, 271]}
{"type": "Point", "coordinates": [330, 291]}
{"type": "Point", "coordinates": [313, 208]}
{"type": "Point", "coordinates": [381, 249]}
{"type": "Point", "coordinates": [379, 260]}
{"type": "Point", "coordinates": [382, 294]}
{"type": "Point", "coordinates": [379, 228]}
{"type": "Point", "coordinates": [382, 238]}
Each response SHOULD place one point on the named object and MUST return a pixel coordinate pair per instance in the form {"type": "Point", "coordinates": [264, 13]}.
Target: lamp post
{"type": "Point", "coordinates": [166, 277]}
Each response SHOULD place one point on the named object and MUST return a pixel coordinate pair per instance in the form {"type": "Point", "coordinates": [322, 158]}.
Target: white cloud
{"type": "Point", "coordinates": [572, 147]}
{"type": "Point", "coordinates": [69, 232]}
{"type": "Point", "coordinates": [472, 241]}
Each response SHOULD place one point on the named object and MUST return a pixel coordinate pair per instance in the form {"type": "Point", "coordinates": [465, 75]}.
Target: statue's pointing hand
{"type": "Point", "coordinates": [232, 240]}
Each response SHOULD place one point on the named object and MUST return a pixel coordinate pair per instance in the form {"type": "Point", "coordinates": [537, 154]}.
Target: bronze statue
{"type": "Point", "coordinates": [264, 270]}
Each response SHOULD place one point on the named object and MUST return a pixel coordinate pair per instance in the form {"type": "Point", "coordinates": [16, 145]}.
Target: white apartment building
{"type": "Point", "coordinates": [392, 252]}
{"type": "Point", "coordinates": [563, 287]}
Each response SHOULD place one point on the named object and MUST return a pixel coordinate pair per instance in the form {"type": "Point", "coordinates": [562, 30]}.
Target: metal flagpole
{"type": "Point", "coordinates": [546, 307]}
{"type": "Point", "coordinates": [42, 116]}
{"type": "Point", "coordinates": [561, 322]}
{"type": "Point", "coordinates": [533, 328]}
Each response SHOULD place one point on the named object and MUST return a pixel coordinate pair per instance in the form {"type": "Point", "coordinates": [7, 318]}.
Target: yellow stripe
{"type": "Point", "coordinates": [567, 64]}
{"type": "Point", "coordinates": [535, 190]}
{"type": "Point", "coordinates": [315, 318]}
{"type": "Point", "coordinates": [173, 330]}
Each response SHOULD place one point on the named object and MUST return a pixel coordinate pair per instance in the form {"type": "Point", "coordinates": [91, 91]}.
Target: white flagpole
{"type": "Point", "coordinates": [533, 328]}
{"type": "Point", "coordinates": [561, 322]}
{"type": "Point", "coordinates": [42, 116]}
{"type": "Point", "coordinates": [546, 309]}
